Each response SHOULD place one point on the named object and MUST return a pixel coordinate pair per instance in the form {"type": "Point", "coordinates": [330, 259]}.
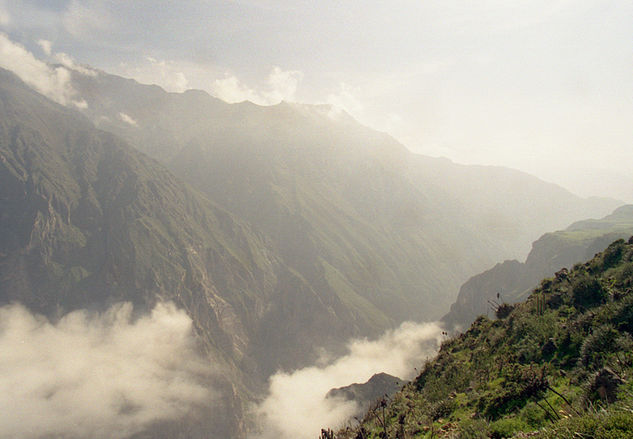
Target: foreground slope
{"type": "Point", "coordinates": [512, 280]}
{"type": "Point", "coordinates": [390, 233]}
{"type": "Point", "coordinates": [556, 366]}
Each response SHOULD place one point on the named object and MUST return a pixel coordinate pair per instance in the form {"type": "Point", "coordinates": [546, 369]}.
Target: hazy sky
{"type": "Point", "coordinates": [543, 86]}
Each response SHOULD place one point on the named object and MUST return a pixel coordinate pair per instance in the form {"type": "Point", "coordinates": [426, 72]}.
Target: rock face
{"type": "Point", "coordinates": [512, 280]}
{"type": "Point", "coordinates": [381, 385]}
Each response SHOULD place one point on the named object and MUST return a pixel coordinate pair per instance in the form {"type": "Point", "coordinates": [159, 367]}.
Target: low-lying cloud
{"type": "Point", "coordinates": [296, 406]}
{"type": "Point", "coordinates": [128, 119]}
{"type": "Point", "coordinates": [96, 375]}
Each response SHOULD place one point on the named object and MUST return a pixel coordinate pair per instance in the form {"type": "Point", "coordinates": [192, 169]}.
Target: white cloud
{"type": "Point", "coordinates": [296, 406]}
{"type": "Point", "coordinates": [67, 61]}
{"type": "Point", "coordinates": [46, 46]}
{"type": "Point", "coordinates": [99, 376]}
{"type": "Point", "coordinates": [281, 85]}
{"type": "Point", "coordinates": [53, 82]}
{"type": "Point", "coordinates": [82, 104]}
{"type": "Point", "coordinates": [127, 119]}
{"type": "Point", "coordinates": [230, 89]}
{"type": "Point", "coordinates": [178, 76]}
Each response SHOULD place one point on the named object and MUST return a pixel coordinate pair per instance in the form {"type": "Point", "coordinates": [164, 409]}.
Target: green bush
{"type": "Point", "coordinates": [504, 310]}
{"type": "Point", "coordinates": [507, 427]}
{"type": "Point", "coordinates": [624, 275]}
{"type": "Point", "coordinates": [442, 408]}
{"type": "Point", "coordinates": [623, 315]}
{"type": "Point", "coordinates": [528, 350]}
{"type": "Point", "coordinates": [588, 292]}
{"type": "Point", "coordinates": [597, 345]}
{"type": "Point", "coordinates": [613, 254]}
{"type": "Point", "coordinates": [534, 416]}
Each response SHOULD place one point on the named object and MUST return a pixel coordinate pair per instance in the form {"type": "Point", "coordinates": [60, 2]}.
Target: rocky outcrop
{"type": "Point", "coordinates": [381, 385]}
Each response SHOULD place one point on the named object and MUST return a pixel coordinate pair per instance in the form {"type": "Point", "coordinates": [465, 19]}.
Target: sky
{"type": "Point", "coordinates": [545, 86]}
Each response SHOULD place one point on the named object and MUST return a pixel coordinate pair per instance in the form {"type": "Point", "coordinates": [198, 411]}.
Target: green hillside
{"type": "Point", "coordinates": [512, 280]}
{"type": "Point", "coordinates": [556, 366]}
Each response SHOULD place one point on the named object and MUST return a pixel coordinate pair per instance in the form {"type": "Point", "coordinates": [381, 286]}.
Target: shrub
{"type": "Point", "coordinates": [534, 416]}
{"type": "Point", "coordinates": [588, 292]}
{"type": "Point", "coordinates": [504, 310]}
{"type": "Point", "coordinates": [597, 345]}
{"type": "Point", "coordinates": [623, 315]}
{"type": "Point", "coordinates": [521, 384]}
{"type": "Point", "coordinates": [507, 427]}
{"type": "Point", "coordinates": [613, 254]}
{"type": "Point", "coordinates": [528, 350]}
{"type": "Point", "coordinates": [625, 275]}
{"type": "Point", "coordinates": [443, 408]}
{"type": "Point", "coordinates": [602, 386]}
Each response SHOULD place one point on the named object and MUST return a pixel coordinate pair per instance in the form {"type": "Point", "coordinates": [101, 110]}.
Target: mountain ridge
{"type": "Point", "coordinates": [320, 188]}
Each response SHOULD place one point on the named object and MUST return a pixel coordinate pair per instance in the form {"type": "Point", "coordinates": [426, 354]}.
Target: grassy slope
{"type": "Point", "coordinates": [532, 371]}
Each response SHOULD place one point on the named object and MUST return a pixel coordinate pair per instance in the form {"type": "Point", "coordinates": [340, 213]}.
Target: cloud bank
{"type": "Point", "coordinates": [296, 406]}
{"type": "Point", "coordinates": [52, 82]}
{"type": "Point", "coordinates": [99, 376]}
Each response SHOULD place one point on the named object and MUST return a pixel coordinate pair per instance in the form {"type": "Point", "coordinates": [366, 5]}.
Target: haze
{"type": "Point", "coordinates": [542, 86]}
{"type": "Point", "coordinates": [296, 206]}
